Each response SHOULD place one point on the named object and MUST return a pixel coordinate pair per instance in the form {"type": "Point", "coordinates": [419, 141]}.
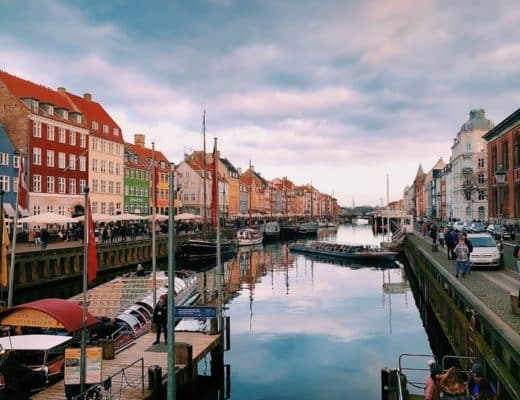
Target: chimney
{"type": "Point", "coordinates": [87, 96]}
{"type": "Point", "coordinates": [61, 90]}
{"type": "Point", "coordinates": [139, 139]}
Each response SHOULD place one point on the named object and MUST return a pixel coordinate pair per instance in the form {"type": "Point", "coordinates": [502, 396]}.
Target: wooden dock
{"type": "Point", "coordinates": [129, 385]}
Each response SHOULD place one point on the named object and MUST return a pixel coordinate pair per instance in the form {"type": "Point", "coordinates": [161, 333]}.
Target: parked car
{"type": "Point", "coordinates": [459, 226]}
{"type": "Point", "coordinates": [485, 250]}
{"type": "Point", "coordinates": [499, 232]}
{"type": "Point", "coordinates": [477, 227]}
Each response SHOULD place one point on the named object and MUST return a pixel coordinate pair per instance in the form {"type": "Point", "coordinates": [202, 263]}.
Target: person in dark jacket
{"type": "Point", "coordinates": [449, 243]}
{"type": "Point", "coordinates": [20, 379]}
{"type": "Point", "coordinates": [470, 249]}
{"type": "Point", "coordinates": [45, 237]}
{"type": "Point", "coordinates": [160, 318]}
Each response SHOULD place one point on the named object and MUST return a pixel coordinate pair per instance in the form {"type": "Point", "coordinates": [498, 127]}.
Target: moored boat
{"type": "Point", "coordinates": [271, 230]}
{"type": "Point", "coordinates": [249, 237]}
{"type": "Point", "coordinates": [347, 251]}
{"type": "Point", "coordinates": [194, 249]}
{"type": "Point", "coordinates": [288, 229]}
{"type": "Point", "coordinates": [308, 228]}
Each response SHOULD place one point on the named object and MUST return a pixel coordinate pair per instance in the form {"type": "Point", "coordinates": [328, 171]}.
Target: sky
{"type": "Point", "coordinates": [340, 94]}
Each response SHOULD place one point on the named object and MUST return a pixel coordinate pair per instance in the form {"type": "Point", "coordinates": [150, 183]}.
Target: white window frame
{"type": "Point", "coordinates": [61, 135]}
{"type": "Point", "coordinates": [50, 132]}
{"type": "Point", "coordinates": [82, 140]}
{"type": "Point", "coordinates": [37, 156]}
{"type": "Point", "coordinates": [61, 185]}
{"type": "Point", "coordinates": [72, 162]}
{"type": "Point", "coordinates": [37, 183]}
{"type": "Point", "coordinates": [82, 163]}
{"type": "Point", "coordinates": [61, 160]}
{"type": "Point", "coordinates": [37, 129]}
{"type": "Point", "coordinates": [50, 158]}
{"type": "Point", "coordinates": [4, 158]}
{"type": "Point", "coordinates": [72, 138]}
{"type": "Point", "coordinates": [4, 183]}
{"type": "Point", "coordinates": [72, 186]}
{"type": "Point", "coordinates": [50, 184]}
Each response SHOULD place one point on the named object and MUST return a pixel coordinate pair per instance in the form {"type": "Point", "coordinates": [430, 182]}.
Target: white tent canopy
{"type": "Point", "coordinates": [96, 217]}
{"type": "Point", "coordinates": [158, 217]}
{"type": "Point", "coordinates": [188, 217]}
{"type": "Point", "coordinates": [47, 218]}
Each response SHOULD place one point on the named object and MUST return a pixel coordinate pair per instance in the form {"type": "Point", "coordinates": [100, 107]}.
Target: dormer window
{"type": "Point", "coordinates": [34, 106]}
{"type": "Point", "coordinates": [105, 128]}
{"type": "Point", "coordinates": [76, 117]}
{"type": "Point", "coordinates": [48, 108]}
{"type": "Point", "coordinates": [61, 112]}
{"type": "Point", "coordinates": [95, 125]}
{"type": "Point", "coordinates": [116, 131]}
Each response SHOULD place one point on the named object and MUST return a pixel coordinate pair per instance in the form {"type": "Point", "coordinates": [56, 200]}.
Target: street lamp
{"type": "Point", "coordinates": [500, 178]}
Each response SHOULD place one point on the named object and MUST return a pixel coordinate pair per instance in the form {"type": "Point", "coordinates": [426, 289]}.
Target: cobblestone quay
{"type": "Point", "coordinates": [474, 312]}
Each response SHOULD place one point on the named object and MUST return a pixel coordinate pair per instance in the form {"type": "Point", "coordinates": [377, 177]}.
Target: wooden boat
{"type": "Point", "coordinates": [249, 236]}
{"type": "Point", "coordinates": [288, 229]}
{"type": "Point", "coordinates": [347, 251]}
{"type": "Point", "coordinates": [201, 249]}
{"type": "Point", "coordinates": [271, 230]}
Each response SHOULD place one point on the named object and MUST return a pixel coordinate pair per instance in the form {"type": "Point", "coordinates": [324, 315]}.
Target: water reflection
{"type": "Point", "coordinates": [320, 329]}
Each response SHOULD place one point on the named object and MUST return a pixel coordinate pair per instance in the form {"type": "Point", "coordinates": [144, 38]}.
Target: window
{"type": "Point", "coordinates": [95, 125]}
{"type": "Point", "coordinates": [481, 163]}
{"type": "Point", "coordinates": [105, 128]}
{"type": "Point", "coordinates": [82, 184]}
{"type": "Point", "coordinates": [72, 138]}
{"type": "Point", "coordinates": [94, 207]}
{"type": "Point", "coordinates": [82, 163]}
{"type": "Point", "coordinates": [481, 195]}
{"type": "Point", "coordinates": [110, 147]}
{"type": "Point", "coordinates": [61, 210]}
{"type": "Point", "coordinates": [61, 135]}
{"type": "Point", "coordinates": [37, 129]}
{"type": "Point", "coordinates": [118, 169]}
{"type": "Point", "coordinates": [94, 185]}
{"type": "Point", "coordinates": [37, 156]}
{"type": "Point", "coordinates": [118, 187]}
{"type": "Point", "coordinates": [110, 186]}
{"type": "Point", "coordinates": [37, 183]}
{"type": "Point", "coordinates": [34, 106]}
{"type": "Point", "coordinates": [110, 167]}
{"type": "Point", "coordinates": [505, 154]}
{"type": "Point", "coordinates": [50, 184]}
{"type": "Point", "coordinates": [61, 160]}
{"type": "Point", "coordinates": [103, 207]}
{"type": "Point", "coordinates": [50, 132]}
{"type": "Point", "coordinates": [4, 158]}
{"type": "Point", "coordinates": [61, 185]}
{"type": "Point", "coordinates": [72, 162]}
{"type": "Point", "coordinates": [468, 147]}
{"type": "Point", "coordinates": [185, 196]}
{"type": "Point", "coordinates": [127, 190]}
{"type": "Point", "coordinates": [94, 165]}
{"type": "Point", "coordinates": [15, 184]}
{"type": "Point", "coordinates": [116, 131]}
{"type": "Point", "coordinates": [82, 140]}
{"type": "Point", "coordinates": [103, 166]}
{"type": "Point", "coordinates": [111, 208]}
{"type": "Point", "coordinates": [16, 161]}
{"type": "Point", "coordinates": [95, 143]}
{"type": "Point", "coordinates": [481, 178]}
{"type": "Point", "coordinates": [103, 146]}
{"type": "Point", "coordinates": [50, 158]}
{"type": "Point", "coordinates": [4, 183]}
{"type": "Point", "coordinates": [103, 186]}
{"type": "Point", "coordinates": [72, 186]}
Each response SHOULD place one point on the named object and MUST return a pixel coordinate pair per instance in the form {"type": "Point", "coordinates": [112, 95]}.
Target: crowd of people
{"type": "Point", "coordinates": [454, 384]}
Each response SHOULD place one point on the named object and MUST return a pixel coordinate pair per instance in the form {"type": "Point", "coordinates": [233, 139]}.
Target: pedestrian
{"type": "Point", "coordinates": [462, 254]}
{"type": "Point", "coordinates": [424, 227]}
{"type": "Point", "coordinates": [452, 384]}
{"type": "Point", "coordinates": [433, 233]}
{"type": "Point", "coordinates": [44, 237]}
{"type": "Point", "coordinates": [470, 249]}
{"type": "Point", "coordinates": [449, 243]}
{"type": "Point", "coordinates": [31, 237]}
{"type": "Point", "coordinates": [479, 387]}
{"type": "Point", "coordinates": [454, 239]}
{"type": "Point", "coordinates": [160, 317]}
{"type": "Point", "coordinates": [440, 234]}
{"type": "Point", "coordinates": [516, 253]}
{"type": "Point", "coordinates": [431, 390]}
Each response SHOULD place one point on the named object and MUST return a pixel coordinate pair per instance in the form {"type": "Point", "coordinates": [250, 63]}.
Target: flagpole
{"type": "Point", "coordinates": [15, 226]}
{"type": "Point", "coordinates": [83, 357]}
{"type": "Point", "coordinates": [154, 268]}
{"type": "Point", "coordinates": [220, 269]}
{"type": "Point", "coordinates": [171, 386]}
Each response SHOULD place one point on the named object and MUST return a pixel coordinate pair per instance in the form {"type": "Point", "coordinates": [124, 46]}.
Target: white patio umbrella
{"type": "Point", "coordinates": [47, 218]}
{"type": "Point", "coordinates": [96, 217]}
{"type": "Point", "coordinates": [188, 217]}
{"type": "Point", "coordinates": [158, 217]}
{"type": "Point", "coordinates": [128, 217]}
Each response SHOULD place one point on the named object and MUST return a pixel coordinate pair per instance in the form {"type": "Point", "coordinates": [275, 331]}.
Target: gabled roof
{"type": "Point", "coordinates": [146, 153]}
{"type": "Point", "coordinates": [140, 163]}
{"type": "Point", "coordinates": [228, 165]}
{"type": "Point", "coordinates": [22, 88]}
{"type": "Point", "coordinates": [93, 111]}
{"type": "Point", "coordinates": [503, 126]}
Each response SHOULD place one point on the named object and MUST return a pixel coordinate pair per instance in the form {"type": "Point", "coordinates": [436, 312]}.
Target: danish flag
{"type": "Point", "coordinates": [22, 185]}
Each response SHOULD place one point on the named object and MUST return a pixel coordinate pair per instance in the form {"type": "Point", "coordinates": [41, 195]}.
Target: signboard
{"type": "Point", "coordinates": [73, 365]}
{"type": "Point", "coordinates": [196, 312]}
{"type": "Point", "coordinates": [29, 317]}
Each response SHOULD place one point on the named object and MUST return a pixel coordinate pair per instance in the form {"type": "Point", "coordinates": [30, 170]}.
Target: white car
{"type": "Point", "coordinates": [459, 226]}
{"type": "Point", "coordinates": [485, 250]}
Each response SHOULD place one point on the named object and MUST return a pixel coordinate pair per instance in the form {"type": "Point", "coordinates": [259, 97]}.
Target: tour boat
{"type": "Point", "coordinates": [249, 236]}
{"type": "Point", "coordinates": [347, 251]}
{"type": "Point", "coordinates": [308, 228]}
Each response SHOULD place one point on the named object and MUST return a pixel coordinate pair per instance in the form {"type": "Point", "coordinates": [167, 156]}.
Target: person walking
{"type": "Point", "coordinates": [440, 234]}
{"type": "Point", "coordinates": [160, 318]}
{"type": "Point", "coordinates": [470, 249]}
{"type": "Point", "coordinates": [462, 254]}
{"type": "Point", "coordinates": [449, 243]}
{"type": "Point", "coordinates": [433, 233]}
{"type": "Point", "coordinates": [431, 389]}
{"type": "Point", "coordinates": [452, 384]}
{"type": "Point", "coordinates": [45, 238]}
{"type": "Point", "coordinates": [454, 239]}
{"type": "Point", "coordinates": [478, 386]}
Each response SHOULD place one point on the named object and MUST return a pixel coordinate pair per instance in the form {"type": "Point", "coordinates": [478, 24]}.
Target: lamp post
{"type": "Point", "coordinates": [500, 178]}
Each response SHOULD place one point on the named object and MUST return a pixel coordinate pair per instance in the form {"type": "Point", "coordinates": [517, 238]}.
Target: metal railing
{"type": "Point", "coordinates": [113, 386]}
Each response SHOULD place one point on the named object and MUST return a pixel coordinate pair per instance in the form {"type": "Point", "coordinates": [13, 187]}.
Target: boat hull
{"type": "Point", "coordinates": [385, 256]}
{"type": "Point", "coordinates": [201, 249]}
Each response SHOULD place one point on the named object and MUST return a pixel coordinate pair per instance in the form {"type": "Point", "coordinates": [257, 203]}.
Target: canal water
{"type": "Point", "coordinates": [311, 329]}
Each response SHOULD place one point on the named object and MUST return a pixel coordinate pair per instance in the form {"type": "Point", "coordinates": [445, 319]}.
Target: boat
{"type": "Point", "coordinates": [346, 251]}
{"type": "Point", "coordinates": [249, 237]}
{"type": "Point", "coordinates": [288, 229]}
{"type": "Point", "coordinates": [194, 249]}
{"type": "Point", "coordinates": [360, 221]}
{"type": "Point", "coordinates": [308, 228]}
{"type": "Point", "coordinates": [43, 354]}
{"type": "Point", "coordinates": [271, 230]}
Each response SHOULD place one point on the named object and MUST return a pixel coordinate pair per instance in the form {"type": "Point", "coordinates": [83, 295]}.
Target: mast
{"type": "Point", "coordinates": [205, 217]}
{"type": "Point", "coordinates": [250, 198]}
{"type": "Point", "coordinates": [154, 218]}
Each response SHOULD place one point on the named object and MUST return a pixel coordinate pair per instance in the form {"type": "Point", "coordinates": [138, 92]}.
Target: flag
{"type": "Point", "coordinates": [22, 184]}
{"type": "Point", "coordinates": [3, 261]}
{"type": "Point", "coordinates": [91, 250]}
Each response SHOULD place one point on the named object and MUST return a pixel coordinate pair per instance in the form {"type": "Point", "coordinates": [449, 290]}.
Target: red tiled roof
{"type": "Point", "coordinates": [69, 314]}
{"type": "Point", "coordinates": [195, 165]}
{"type": "Point", "coordinates": [93, 111]}
{"type": "Point", "coordinates": [140, 164]}
{"type": "Point", "coordinates": [22, 88]}
{"type": "Point", "coordinates": [146, 153]}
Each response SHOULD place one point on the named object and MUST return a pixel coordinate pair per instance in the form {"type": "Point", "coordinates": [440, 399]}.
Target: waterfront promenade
{"type": "Point", "coordinates": [492, 287]}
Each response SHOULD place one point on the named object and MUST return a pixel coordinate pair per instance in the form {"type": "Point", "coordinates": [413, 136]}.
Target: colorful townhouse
{"type": "Point", "coordinates": [52, 135]}
{"type": "Point", "coordinates": [9, 164]}
{"type": "Point", "coordinates": [136, 184]}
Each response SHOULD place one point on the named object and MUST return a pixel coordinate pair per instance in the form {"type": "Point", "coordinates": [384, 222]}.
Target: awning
{"type": "Point", "coordinates": [9, 210]}
{"type": "Point", "coordinates": [47, 313]}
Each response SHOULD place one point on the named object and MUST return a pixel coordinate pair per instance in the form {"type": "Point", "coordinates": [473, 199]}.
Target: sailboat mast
{"type": "Point", "coordinates": [250, 188]}
{"type": "Point", "coordinates": [204, 212]}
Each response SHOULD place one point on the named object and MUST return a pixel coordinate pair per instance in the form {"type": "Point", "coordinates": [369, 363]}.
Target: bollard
{"type": "Point", "coordinates": [107, 348]}
{"type": "Point", "coordinates": [155, 381]}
